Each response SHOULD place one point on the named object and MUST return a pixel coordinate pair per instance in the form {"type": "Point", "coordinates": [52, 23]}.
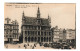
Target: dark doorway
{"type": "Point", "coordinates": [10, 40]}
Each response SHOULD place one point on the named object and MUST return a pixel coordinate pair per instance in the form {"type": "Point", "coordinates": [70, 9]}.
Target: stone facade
{"type": "Point", "coordinates": [70, 34]}
{"type": "Point", "coordinates": [11, 29]}
{"type": "Point", "coordinates": [63, 35]}
{"type": "Point", "coordinates": [56, 33]}
{"type": "Point", "coordinates": [36, 29]}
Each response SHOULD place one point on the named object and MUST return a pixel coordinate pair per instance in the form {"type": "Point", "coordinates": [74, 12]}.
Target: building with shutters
{"type": "Point", "coordinates": [11, 31]}
{"type": "Point", "coordinates": [70, 35]}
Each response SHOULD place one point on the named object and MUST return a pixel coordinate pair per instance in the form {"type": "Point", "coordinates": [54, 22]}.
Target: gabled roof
{"type": "Point", "coordinates": [33, 20]}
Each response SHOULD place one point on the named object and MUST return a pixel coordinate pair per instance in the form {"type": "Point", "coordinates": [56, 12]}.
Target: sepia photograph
{"type": "Point", "coordinates": [39, 25]}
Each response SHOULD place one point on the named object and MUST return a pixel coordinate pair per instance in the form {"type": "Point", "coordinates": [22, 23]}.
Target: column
{"type": "Point", "coordinates": [40, 33]}
{"type": "Point", "coordinates": [43, 39]}
{"type": "Point", "coordinates": [37, 35]}
{"type": "Point", "coordinates": [40, 39]}
{"type": "Point", "coordinates": [23, 36]}
{"type": "Point", "coordinates": [48, 39]}
{"type": "Point", "coordinates": [27, 39]}
{"type": "Point", "coordinates": [30, 39]}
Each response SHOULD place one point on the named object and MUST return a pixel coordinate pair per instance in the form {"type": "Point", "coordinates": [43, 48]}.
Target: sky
{"type": "Point", "coordinates": [62, 15]}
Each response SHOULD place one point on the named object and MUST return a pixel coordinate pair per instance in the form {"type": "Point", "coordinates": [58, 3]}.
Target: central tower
{"type": "Point", "coordinates": [38, 16]}
{"type": "Point", "coordinates": [38, 13]}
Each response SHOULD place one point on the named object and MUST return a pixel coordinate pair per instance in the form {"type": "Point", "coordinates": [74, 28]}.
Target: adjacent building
{"type": "Point", "coordinates": [36, 29]}
{"type": "Point", "coordinates": [11, 31]}
{"type": "Point", "coordinates": [63, 35]}
{"type": "Point", "coordinates": [56, 33]}
{"type": "Point", "coordinates": [70, 35]}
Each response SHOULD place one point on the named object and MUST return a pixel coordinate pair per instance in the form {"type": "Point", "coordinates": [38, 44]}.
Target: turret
{"type": "Point", "coordinates": [49, 19]}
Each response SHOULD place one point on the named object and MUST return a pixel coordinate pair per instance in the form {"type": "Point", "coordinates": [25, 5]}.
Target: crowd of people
{"type": "Point", "coordinates": [40, 45]}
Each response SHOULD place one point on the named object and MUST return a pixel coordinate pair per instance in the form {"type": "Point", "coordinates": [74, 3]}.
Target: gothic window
{"type": "Point", "coordinates": [32, 39]}
{"type": "Point", "coordinates": [13, 27]}
{"type": "Point", "coordinates": [45, 33]}
{"type": "Point", "coordinates": [25, 32]}
{"type": "Point", "coordinates": [33, 27]}
{"type": "Point", "coordinates": [44, 39]}
{"type": "Point", "coordinates": [35, 38]}
{"type": "Point", "coordinates": [38, 27]}
{"type": "Point", "coordinates": [29, 39]}
{"type": "Point", "coordinates": [10, 35]}
{"type": "Point", "coordinates": [28, 32]}
{"type": "Point", "coordinates": [38, 39]}
{"type": "Point", "coordinates": [32, 32]}
{"type": "Point", "coordinates": [38, 33]}
{"type": "Point", "coordinates": [17, 31]}
{"type": "Point", "coordinates": [16, 27]}
{"type": "Point", "coordinates": [49, 33]}
{"type": "Point", "coordinates": [41, 33]}
{"type": "Point", "coordinates": [49, 38]}
{"type": "Point", "coordinates": [16, 36]}
{"type": "Point", "coordinates": [41, 39]}
{"type": "Point", "coordinates": [29, 27]}
{"type": "Point", "coordinates": [38, 21]}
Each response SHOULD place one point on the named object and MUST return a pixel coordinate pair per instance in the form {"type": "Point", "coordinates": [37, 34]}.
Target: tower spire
{"type": "Point", "coordinates": [23, 15]}
{"type": "Point", "coordinates": [38, 13]}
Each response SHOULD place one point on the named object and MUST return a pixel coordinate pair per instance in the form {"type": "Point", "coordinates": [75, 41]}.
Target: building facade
{"type": "Point", "coordinates": [36, 29]}
{"type": "Point", "coordinates": [56, 33]}
{"type": "Point", "coordinates": [70, 35]}
{"type": "Point", "coordinates": [59, 35]}
{"type": "Point", "coordinates": [11, 31]}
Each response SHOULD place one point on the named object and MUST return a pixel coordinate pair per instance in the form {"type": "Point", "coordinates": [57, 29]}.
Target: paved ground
{"type": "Point", "coordinates": [21, 46]}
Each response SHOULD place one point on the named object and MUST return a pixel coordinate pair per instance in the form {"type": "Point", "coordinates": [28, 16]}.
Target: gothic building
{"type": "Point", "coordinates": [36, 29]}
{"type": "Point", "coordinates": [11, 33]}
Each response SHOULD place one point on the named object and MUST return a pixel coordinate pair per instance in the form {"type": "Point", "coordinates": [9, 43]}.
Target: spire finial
{"type": "Point", "coordinates": [49, 18]}
{"type": "Point", "coordinates": [38, 12]}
